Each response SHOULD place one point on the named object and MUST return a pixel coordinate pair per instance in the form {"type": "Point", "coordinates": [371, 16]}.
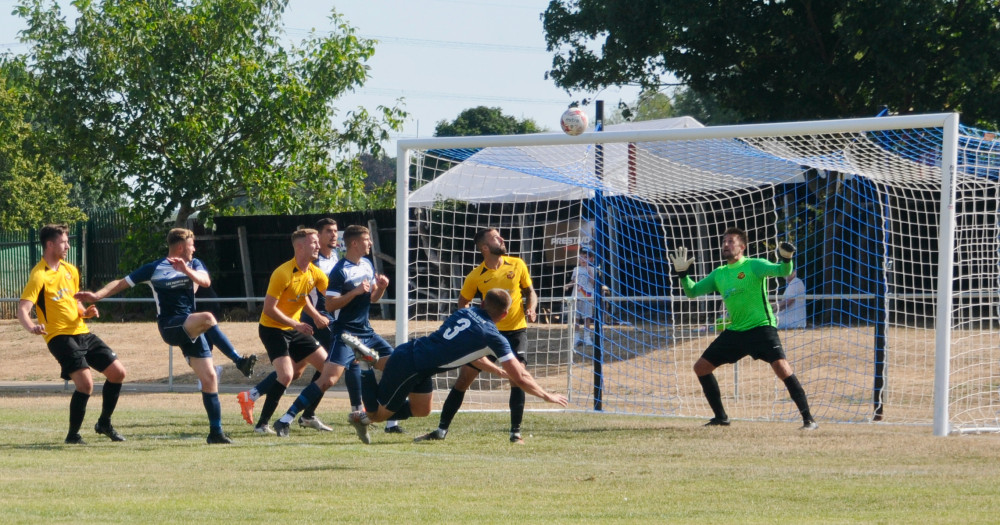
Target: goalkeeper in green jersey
{"type": "Point", "coordinates": [742, 282]}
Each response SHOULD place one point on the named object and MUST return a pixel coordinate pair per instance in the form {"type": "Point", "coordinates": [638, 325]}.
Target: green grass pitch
{"type": "Point", "coordinates": [575, 468]}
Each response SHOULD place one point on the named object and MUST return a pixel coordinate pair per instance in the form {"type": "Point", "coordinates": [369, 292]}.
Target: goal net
{"type": "Point", "coordinates": [894, 218]}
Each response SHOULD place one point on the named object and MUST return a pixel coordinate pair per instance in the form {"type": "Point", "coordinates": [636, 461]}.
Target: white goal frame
{"type": "Point", "coordinates": [948, 122]}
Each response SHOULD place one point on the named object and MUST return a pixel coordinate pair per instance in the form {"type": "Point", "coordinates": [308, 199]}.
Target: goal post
{"type": "Point", "coordinates": [946, 263]}
{"type": "Point", "coordinates": [894, 218]}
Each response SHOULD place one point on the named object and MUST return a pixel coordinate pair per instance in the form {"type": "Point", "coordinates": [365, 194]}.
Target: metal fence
{"type": "Point", "coordinates": [20, 251]}
{"type": "Point", "coordinates": [240, 254]}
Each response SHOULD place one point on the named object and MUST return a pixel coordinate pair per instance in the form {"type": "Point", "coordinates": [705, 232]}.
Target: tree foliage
{"type": "Point", "coordinates": [788, 60]}
{"type": "Point", "coordinates": [31, 193]}
{"type": "Point", "coordinates": [682, 102]}
{"type": "Point", "coordinates": [482, 120]}
{"type": "Point", "coordinates": [704, 108]}
{"type": "Point", "coordinates": [192, 106]}
{"type": "Point", "coordinates": [650, 105]}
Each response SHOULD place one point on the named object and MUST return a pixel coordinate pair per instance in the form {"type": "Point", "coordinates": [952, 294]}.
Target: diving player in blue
{"type": "Point", "coordinates": [468, 336]}
{"type": "Point", "coordinates": [174, 279]}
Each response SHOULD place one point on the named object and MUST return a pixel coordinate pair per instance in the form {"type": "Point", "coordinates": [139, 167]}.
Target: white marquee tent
{"type": "Point", "coordinates": [511, 174]}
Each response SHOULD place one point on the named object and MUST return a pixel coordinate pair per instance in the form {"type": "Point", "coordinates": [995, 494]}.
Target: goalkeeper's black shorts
{"type": "Point", "coordinates": [731, 346]}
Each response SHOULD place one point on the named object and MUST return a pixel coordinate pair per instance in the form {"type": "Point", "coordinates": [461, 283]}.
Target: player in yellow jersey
{"type": "Point", "coordinates": [498, 270]}
{"type": "Point", "coordinates": [50, 288]}
{"type": "Point", "coordinates": [289, 342]}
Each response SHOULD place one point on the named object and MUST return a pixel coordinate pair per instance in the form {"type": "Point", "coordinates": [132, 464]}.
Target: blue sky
{"type": "Point", "coordinates": [440, 56]}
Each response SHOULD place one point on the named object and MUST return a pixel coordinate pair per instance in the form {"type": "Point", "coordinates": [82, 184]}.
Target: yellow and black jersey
{"type": "Point", "coordinates": [51, 291]}
{"type": "Point", "coordinates": [291, 287]}
{"type": "Point", "coordinates": [512, 275]}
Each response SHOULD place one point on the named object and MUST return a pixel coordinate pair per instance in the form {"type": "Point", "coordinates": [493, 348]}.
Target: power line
{"type": "Point", "coordinates": [423, 42]}
{"type": "Point", "coordinates": [460, 96]}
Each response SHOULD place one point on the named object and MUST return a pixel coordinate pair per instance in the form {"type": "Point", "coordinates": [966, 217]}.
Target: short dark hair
{"type": "Point", "coordinates": [301, 233]}
{"type": "Point", "coordinates": [177, 235]}
{"type": "Point", "coordinates": [480, 236]}
{"type": "Point", "coordinates": [496, 301]}
{"type": "Point", "coordinates": [51, 232]}
{"type": "Point", "coordinates": [353, 232]}
{"type": "Point", "coordinates": [733, 230]}
{"type": "Point", "coordinates": [325, 221]}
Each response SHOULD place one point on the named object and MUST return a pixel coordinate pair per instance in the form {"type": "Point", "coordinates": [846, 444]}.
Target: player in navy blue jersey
{"type": "Point", "coordinates": [353, 287]}
{"type": "Point", "coordinates": [469, 335]}
{"type": "Point", "coordinates": [174, 280]}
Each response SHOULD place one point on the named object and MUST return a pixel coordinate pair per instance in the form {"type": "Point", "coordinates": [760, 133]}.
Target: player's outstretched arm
{"type": "Point", "coordinates": [786, 251]}
{"type": "Point", "coordinates": [109, 289]}
{"type": "Point", "coordinates": [682, 264]}
{"type": "Point", "coordinates": [485, 365]}
{"type": "Point", "coordinates": [521, 378]}
{"type": "Point", "coordinates": [784, 266]}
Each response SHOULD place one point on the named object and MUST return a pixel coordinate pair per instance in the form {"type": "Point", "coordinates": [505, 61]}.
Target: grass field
{"type": "Point", "coordinates": [575, 468]}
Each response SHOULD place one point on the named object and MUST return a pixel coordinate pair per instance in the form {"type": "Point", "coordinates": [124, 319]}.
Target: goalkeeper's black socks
{"type": "Point", "coordinates": [711, 388]}
{"type": "Point", "coordinates": [798, 395]}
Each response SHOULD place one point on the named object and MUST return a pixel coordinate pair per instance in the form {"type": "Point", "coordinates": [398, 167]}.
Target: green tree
{"type": "Point", "coordinates": [787, 60]}
{"type": "Point", "coordinates": [380, 170]}
{"type": "Point", "coordinates": [704, 108]}
{"type": "Point", "coordinates": [192, 106]}
{"type": "Point", "coordinates": [31, 193]}
{"type": "Point", "coordinates": [482, 120]}
{"type": "Point", "coordinates": [651, 105]}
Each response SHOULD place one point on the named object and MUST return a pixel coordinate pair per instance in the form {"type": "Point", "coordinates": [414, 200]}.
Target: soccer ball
{"type": "Point", "coordinates": [573, 121]}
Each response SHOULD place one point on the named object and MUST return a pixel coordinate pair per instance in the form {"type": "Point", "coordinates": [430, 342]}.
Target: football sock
{"type": "Point", "coordinates": [369, 391]}
{"type": "Point", "coordinates": [309, 411]}
{"type": "Point", "coordinates": [264, 386]}
{"type": "Point", "coordinates": [271, 403]}
{"type": "Point", "coordinates": [77, 410]}
{"type": "Point", "coordinates": [219, 340]}
{"type": "Point", "coordinates": [310, 394]}
{"type": "Point", "coordinates": [516, 408]}
{"type": "Point", "coordinates": [798, 395]}
{"type": "Point", "coordinates": [352, 378]}
{"type": "Point", "coordinates": [451, 405]}
{"type": "Point", "coordinates": [711, 388]}
{"type": "Point", "coordinates": [109, 400]}
{"type": "Point", "coordinates": [391, 423]}
{"type": "Point", "coordinates": [214, 410]}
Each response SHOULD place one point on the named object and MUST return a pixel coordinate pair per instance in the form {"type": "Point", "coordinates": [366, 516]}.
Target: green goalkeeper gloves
{"type": "Point", "coordinates": [786, 251]}
{"type": "Point", "coordinates": [682, 263]}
